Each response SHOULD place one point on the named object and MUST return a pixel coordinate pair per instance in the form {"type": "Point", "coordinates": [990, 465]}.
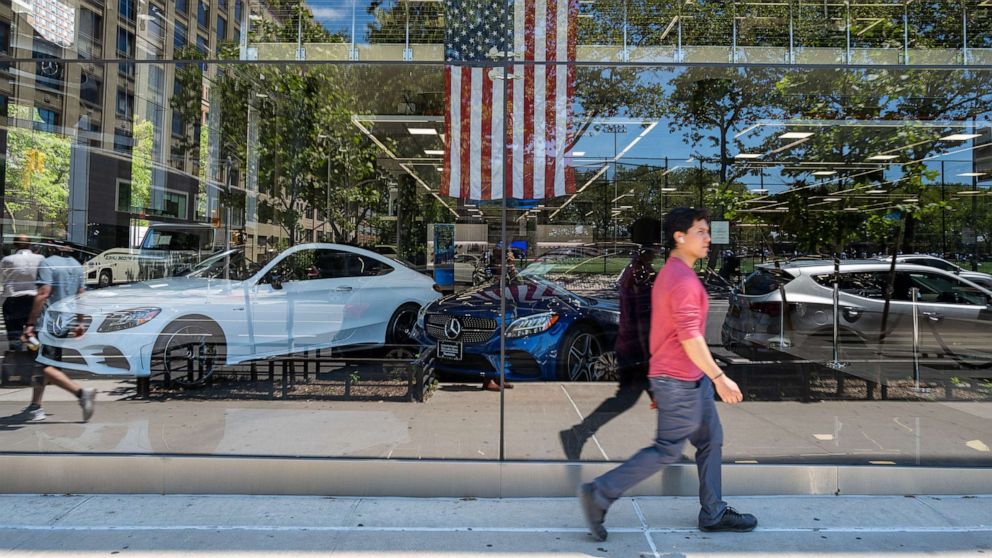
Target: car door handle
{"type": "Point", "coordinates": [345, 288]}
{"type": "Point", "coordinates": [934, 316]}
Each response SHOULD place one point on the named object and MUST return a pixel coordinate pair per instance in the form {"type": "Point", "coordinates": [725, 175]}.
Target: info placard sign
{"type": "Point", "coordinates": [720, 232]}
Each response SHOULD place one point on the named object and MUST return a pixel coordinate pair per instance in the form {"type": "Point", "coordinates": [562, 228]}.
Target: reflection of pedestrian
{"type": "Point", "coordinates": [496, 265]}
{"type": "Point", "coordinates": [59, 276]}
{"type": "Point", "coordinates": [632, 344]}
{"type": "Point", "coordinates": [17, 275]}
{"type": "Point", "coordinates": [683, 375]}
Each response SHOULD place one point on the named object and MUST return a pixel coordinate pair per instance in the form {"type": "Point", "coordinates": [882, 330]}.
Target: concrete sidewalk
{"type": "Point", "coordinates": [161, 526]}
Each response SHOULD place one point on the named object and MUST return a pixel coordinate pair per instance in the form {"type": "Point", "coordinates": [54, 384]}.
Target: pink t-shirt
{"type": "Point", "coordinates": [678, 313]}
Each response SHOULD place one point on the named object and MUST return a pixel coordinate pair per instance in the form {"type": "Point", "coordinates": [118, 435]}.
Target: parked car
{"type": "Point", "coordinates": [229, 309]}
{"type": "Point", "coordinates": [953, 316]}
{"type": "Point", "coordinates": [977, 277]}
{"type": "Point", "coordinates": [551, 333]}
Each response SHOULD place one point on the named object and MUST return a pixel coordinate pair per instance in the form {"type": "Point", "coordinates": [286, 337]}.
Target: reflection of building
{"type": "Point", "coordinates": [128, 159]}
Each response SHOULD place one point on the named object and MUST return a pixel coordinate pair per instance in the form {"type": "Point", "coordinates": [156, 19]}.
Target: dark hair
{"type": "Point", "coordinates": [21, 242]}
{"type": "Point", "coordinates": [681, 219]}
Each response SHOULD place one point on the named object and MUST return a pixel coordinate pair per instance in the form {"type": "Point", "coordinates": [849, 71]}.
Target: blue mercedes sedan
{"type": "Point", "coordinates": [551, 333]}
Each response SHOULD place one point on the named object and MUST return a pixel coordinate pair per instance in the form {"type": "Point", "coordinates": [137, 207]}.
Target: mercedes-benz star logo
{"type": "Point", "coordinates": [453, 328]}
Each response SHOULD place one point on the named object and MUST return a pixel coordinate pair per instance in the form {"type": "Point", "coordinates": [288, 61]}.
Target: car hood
{"type": "Point", "coordinates": [523, 296]}
{"type": "Point", "coordinates": [173, 291]}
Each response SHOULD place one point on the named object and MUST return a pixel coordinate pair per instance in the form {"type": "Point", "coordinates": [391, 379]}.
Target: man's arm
{"type": "Point", "coordinates": [44, 291]}
{"type": "Point", "coordinates": [699, 354]}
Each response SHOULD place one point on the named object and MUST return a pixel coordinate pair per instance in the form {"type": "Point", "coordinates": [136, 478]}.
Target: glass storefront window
{"type": "Point", "coordinates": [282, 241]}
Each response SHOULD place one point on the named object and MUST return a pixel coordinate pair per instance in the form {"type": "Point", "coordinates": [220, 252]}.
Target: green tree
{"type": "Point", "coordinates": [37, 186]}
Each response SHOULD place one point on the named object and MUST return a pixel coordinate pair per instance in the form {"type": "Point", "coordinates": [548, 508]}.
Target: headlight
{"type": "Point", "coordinates": [421, 315]}
{"type": "Point", "coordinates": [531, 324]}
{"type": "Point", "coordinates": [126, 319]}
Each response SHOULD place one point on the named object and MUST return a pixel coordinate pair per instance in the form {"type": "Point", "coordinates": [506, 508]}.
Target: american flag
{"type": "Point", "coordinates": [535, 112]}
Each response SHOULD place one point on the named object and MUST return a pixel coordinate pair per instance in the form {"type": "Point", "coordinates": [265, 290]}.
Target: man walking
{"type": "Point", "coordinates": [683, 376]}
{"type": "Point", "coordinates": [59, 276]}
{"type": "Point", "coordinates": [18, 272]}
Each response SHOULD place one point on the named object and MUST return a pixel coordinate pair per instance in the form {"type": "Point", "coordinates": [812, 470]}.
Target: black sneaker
{"type": "Point", "coordinates": [593, 513]}
{"type": "Point", "coordinates": [732, 521]}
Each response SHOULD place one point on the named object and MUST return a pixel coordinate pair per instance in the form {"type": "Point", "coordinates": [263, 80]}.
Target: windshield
{"type": "Point", "coordinates": [233, 265]}
{"type": "Point", "coordinates": [165, 239]}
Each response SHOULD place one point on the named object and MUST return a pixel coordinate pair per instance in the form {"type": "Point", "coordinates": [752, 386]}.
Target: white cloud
{"type": "Point", "coordinates": [328, 13]}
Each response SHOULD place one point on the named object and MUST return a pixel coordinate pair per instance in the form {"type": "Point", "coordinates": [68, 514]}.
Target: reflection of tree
{"type": "Point", "coordinates": [882, 95]}
{"type": "Point", "coordinates": [37, 186]}
{"type": "Point", "coordinates": [141, 164]}
{"type": "Point", "coordinates": [186, 100]}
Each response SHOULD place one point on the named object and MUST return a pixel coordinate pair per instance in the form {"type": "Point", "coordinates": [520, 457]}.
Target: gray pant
{"type": "Point", "coordinates": [686, 411]}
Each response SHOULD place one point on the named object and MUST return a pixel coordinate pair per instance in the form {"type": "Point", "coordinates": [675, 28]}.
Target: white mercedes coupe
{"type": "Point", "coordinates": [229, 310]}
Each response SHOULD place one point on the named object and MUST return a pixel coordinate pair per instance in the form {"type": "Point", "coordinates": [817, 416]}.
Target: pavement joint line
{"type": "Point", "coordinates": [628, 530]}
{"type": "Point", "coordinates": [581, 418]}
{"type": "Point", "coordinates": [72, 509]}
{"type": "Point", "coordinates": [644, 525]}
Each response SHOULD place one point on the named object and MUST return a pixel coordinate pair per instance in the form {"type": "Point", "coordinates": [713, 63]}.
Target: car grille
{"type": "Point", "coordinates": [63, 324]}
{"type": "Point", "coordinates": [474, 328]}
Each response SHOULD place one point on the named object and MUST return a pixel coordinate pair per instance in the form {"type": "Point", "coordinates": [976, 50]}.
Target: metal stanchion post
{"type": "Point", "coordinates": [836, 363]}
{"type": "Point", "coordinates": [914, 294]}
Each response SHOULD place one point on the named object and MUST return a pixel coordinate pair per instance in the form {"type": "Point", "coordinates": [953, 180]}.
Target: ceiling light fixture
{"type": "Point", "coordinates": [578, 154]}
{"type": "Point", "coordinates": [850, 209]}
{"type": "Point", "coordinates": [960, 137]}
{"type": "Point", "coordinates": [747, 156]}
{"type": "Point", "coordinates": [972, 174]}
{"type": "Point", "coordinates": [422, 131]}
{"type": "Point", "coordinates": [911, 200]}
{"type": "Point", "coordinates": [669, 189]}
{"type": "Point", "coordinates": [831, 199]}
{"type": "Point", "coordinates": [437, 152]}
{"type": "Point", "coordinates": [875, 191]}
{"type": "Point", "coordinates": [969, 193]}
{"type": "Point", "coordinates": [882, 157]}
{"type": "Point", "coordinates": [824, 173]}
{"type": "Point", "coordinates": [795, 135]}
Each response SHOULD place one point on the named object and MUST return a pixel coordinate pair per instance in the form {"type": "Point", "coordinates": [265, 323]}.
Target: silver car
{"type": "Point", "coordinates": [875, 331]}
{"type": "Point", "coordinates": [977, 277]}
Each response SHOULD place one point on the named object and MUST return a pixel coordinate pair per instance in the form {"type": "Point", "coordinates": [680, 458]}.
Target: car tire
{"type": "Point", "coordinates": [581, 352]}
{"type": "Point", "coordinates": [190, 350]}
{"type": "Point", "coordinates": [106, 279]}
{"type": "Point", "coordinates": [400, 325]}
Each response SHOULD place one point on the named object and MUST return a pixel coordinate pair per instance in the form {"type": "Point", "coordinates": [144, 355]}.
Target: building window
{"type": "Point", "coordinates": [201, 44]}
{"type": "Point", "coordinates": [238, 6]}
{"type": "Point", "coordinates": [122, 141]}
{"type": "Point", "coordinates": [156, 79]}
{"type": "Point", "coordinates": [125, 43]}
{"type": "Point", "coordinates": [4, 37]}
{"type": "Point", "coordinates": [49, 70]}
{"type": "Point", "coordinates": [49, 120]}
{"type": "Point", "coordinates": [221, 29]}
{"type": "Point", "coordinates": [123, 196]}
{"type": "Point", "coordinates": [181, 7]}
{"type": "Point", "coordinates": [126, 9]}
{"type": "Point", "coordinates": [125, 103]}
{"type": "Point", "coordinates": [89, 89]}
{"type": "Point", "coordinates": [175, 204]}
{"type": "Point", "coordinates": [156, 29]}
{"type": "Point", "coordinates": [202, 14]}
{"type": "Point", "coordinates": [90, 26]}
{"type": "Point", "coordinates": [180, 37]}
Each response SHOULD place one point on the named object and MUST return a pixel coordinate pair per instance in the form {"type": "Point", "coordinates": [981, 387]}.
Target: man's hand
{"type": "Point", "coordinates": [728, 390]}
